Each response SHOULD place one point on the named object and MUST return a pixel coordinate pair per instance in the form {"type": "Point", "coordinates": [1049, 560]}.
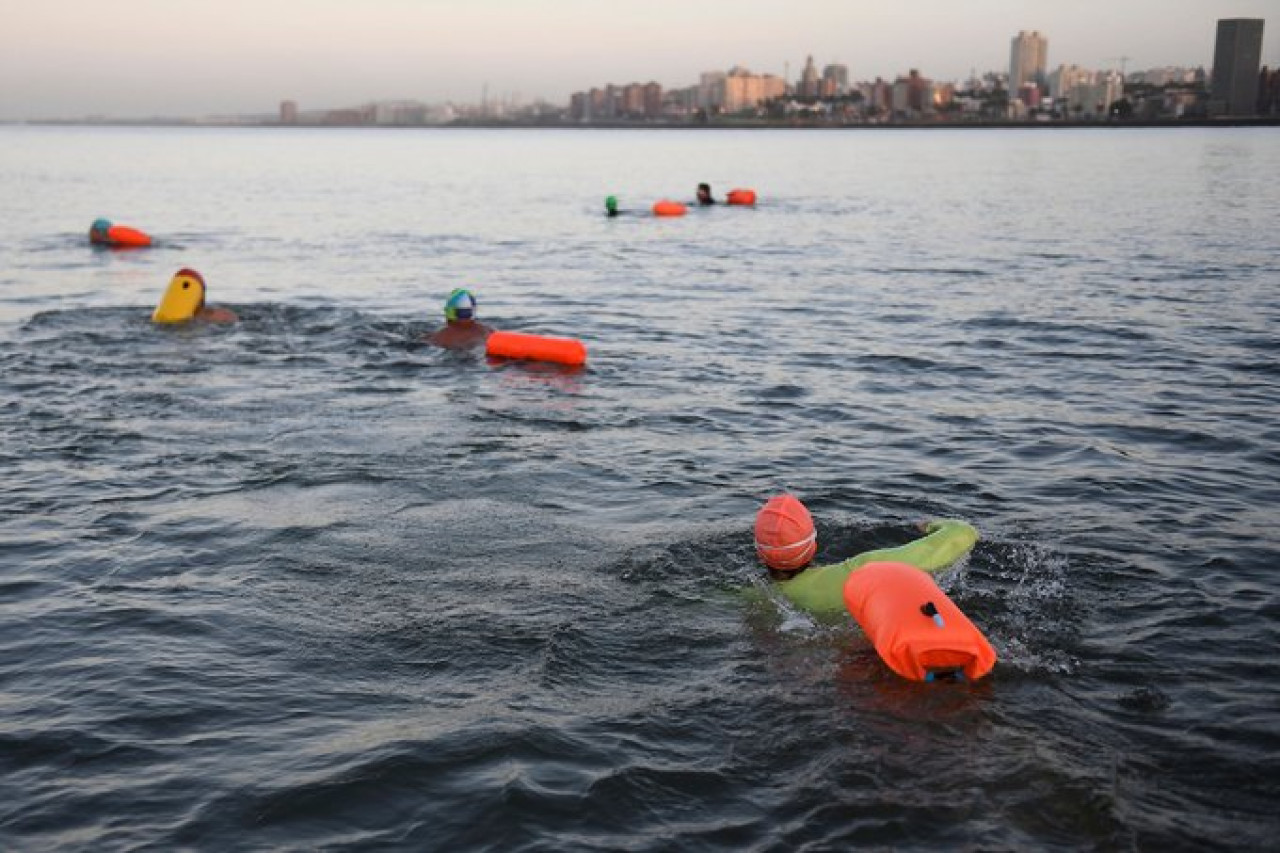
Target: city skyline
{"type": "Point", "coordinates": [154, 58]}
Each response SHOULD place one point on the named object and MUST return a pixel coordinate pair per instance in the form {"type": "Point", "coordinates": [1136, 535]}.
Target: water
{"type": "Point", "coordinates": [305, 583]}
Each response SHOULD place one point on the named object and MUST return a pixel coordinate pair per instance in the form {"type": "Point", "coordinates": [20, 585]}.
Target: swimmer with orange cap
{"type": "Point", "coordinates": [461, 329]}
{"type": "Point", "coordinates": [183, 301]}
{"type": "Point", "coordinates": [786, 541]}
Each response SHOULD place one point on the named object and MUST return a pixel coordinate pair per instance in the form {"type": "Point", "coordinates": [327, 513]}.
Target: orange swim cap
{"type": "Point", "coordinates": [786, 539]}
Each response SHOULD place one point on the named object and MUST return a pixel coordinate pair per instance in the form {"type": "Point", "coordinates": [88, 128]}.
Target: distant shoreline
{"type": "Point", "coordinates": [1238, 121]}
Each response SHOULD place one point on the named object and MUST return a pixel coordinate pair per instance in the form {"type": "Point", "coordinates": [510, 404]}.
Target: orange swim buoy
{"type": "Point", "coordinates": [537, 348]}
{"type": "Point", "coordinates": [747, 198]}
{"type": "Point", "coordinates": [123, 235]}
{"type": "Point", "coordinates": [915, 628]}
{"type": "Point", "coordinates": [666, 207]}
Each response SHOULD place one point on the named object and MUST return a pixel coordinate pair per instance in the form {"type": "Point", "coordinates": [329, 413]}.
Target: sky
{"type": "Point", "coordinates": [145, 58]}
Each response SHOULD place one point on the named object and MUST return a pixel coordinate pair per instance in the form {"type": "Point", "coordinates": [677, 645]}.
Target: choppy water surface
{"type": "Point", "coordinates": [304, 583]}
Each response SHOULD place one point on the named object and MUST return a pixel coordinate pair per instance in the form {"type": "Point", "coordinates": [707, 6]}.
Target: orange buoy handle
{"type": "Point", "coordinates": [742, 197]}
{"type": "Point", "coordinates": [916, 629]}
{"type": "Point", "coordinates": [536, 348]}
{"type": "Point", "coordinates": [666, 207]}
{"type": "Point", "coordinates": [123, 235]}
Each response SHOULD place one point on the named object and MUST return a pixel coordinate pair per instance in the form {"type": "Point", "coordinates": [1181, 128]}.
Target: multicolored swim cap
{"type": "Point", "coordinates": [786, 539]}
{"type": "Point", "coordinates": [461, 305]}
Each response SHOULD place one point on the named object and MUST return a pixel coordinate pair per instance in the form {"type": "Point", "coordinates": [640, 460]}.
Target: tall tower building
{"type": "Point", "coordinates": [1027, 60]}
{"type": "Point", "coordinates": [1236, 58]}
{"type": "Point", "coordinates": [809, 80]}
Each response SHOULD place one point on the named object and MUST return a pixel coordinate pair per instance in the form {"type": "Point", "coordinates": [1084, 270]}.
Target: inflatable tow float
{"type": "Point", "coordinates": [915, 628]}
{"type": "Point", "coordinates": [103, 233]}
{"type": "Point", "coordinates": [667, 207]}
{"type": "Point", "coordinates": [741, 198]}
{"type": "Point", "coordinates": [519, 345]}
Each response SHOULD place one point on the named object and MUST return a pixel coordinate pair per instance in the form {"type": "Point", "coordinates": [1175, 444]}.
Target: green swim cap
{"type": "Point", "coordinates": [461, 305]}
{"type": "Point", "coordinates": [611, 204]}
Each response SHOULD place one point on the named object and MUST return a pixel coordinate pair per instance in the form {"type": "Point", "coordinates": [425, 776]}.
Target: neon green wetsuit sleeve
{"type": "Point", "coordinates": [821, 589]}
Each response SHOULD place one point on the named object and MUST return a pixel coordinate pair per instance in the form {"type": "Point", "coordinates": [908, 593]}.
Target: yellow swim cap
{"type": "Point", "coordinates": [182, 300]}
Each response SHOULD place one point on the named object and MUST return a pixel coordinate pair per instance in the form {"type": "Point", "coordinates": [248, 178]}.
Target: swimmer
{"type": "Point", "coordinates": [704, 195]}
{"type": "Point", "coordinates": [103, 233]}
{"type": "Point", "coordinates": [184, 300]}
{"type": "Point", "coordinates": [611, 206]}
{"type": "Point", "coordinates": [100, 232]}
{"type": "Point", "coordinates": [786, 541]}
{"type": "Point", "coordinates": [461, 330]}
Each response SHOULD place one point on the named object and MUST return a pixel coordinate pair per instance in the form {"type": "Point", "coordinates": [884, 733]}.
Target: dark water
{"type": "Point", "coordinates": [304, 583]}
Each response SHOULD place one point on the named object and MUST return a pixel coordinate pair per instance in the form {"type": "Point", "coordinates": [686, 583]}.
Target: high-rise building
{"type": "Point", "coordinates": [746, 91]}
{"type": "Point", "coordinates": [1066, 78]}
{"type": "Point", "coordinates": [808, 87]}
{"type": "Point", "coordinates": [1237, 56]}
{"type": "Point", "coordinates": [836, 76]}
{"type": "Point", "coordinates": [631, 101]}
{"type": "Point", "coordinates": [600, 103]}
{"type": "Point", "coordinates": [652, 100]}
{"type": "Point", "coordinates": [1093, 99]}
{"type": "Point", "coordinates": [711, 90]}
{"type": "Point", "coordinates": [681, 102]}
{"type": "Point", "coordinates": [912, 96]}
{"type": "Point", "coordinates": [1027, 60]}
{"type": "Point", "coordinates": [880, 96]}
{"type": "Point", "coordinates": [1269, 92]}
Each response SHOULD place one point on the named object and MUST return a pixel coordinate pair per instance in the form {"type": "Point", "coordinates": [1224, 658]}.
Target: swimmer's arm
{"type": "Point", "coordinates": [821, 588]}
{"type": "Point", "coordinates": [947, 541]}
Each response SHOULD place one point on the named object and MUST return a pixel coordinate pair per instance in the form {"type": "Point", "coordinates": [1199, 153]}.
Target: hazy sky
{"type": "Point", "coordinates": [70, 58]}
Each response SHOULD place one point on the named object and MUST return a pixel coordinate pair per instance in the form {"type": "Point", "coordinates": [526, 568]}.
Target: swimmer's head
{"type": "Point", "coordinates": [183, 298]}
{"type": "Point", "coordinates": [611, 205]}
{"type": "Point", "coordinates": [461, 305]}
{"type": "Point", "coordinates": [786, 539]}
{"type": "Point", "coordinates": [98, 230]}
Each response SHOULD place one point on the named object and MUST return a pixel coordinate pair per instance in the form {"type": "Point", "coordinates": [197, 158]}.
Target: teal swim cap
{"type": "Point", "coordinates": [100, 226]}
{"type": "Point", "coordinates": [461, 305]}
